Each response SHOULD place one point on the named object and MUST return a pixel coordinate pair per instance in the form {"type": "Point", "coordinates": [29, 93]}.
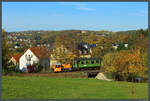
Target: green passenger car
{"type": "Point", "coordinates": [86, 63]}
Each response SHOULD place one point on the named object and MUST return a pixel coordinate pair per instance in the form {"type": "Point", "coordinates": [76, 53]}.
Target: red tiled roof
{"type": "Point", "coordinates": [35, 50]}
{"type": "Point", "coordinates": [16, 57]}
{"type": "Point", "coordinates": [38, 51]}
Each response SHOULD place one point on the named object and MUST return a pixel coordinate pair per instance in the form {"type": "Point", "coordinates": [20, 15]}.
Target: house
{"type": "Point", "coordinates": [126, 45]}
{"type": "Point", "coordinates": [115, 46]}
{"type": "Point", "coordinates": [15, 59]}
{"type": "Point", "coordinates": [85, 49]}
{"type": "Point", "coordinates": [84, 31]}
{"type": "Point", "coordinates": [119, 46]}
{"type": "Point", "coordinates": [17, 46]}
{"type": "Point", "coordinates": [34, 55]}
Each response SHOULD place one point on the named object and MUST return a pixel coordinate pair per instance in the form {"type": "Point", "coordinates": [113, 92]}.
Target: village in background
{"type": "Point", "coordinates": [123, 53]}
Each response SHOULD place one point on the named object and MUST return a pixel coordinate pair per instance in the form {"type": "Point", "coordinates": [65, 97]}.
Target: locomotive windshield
{"type": "Point", "coordinates": [57, 66]}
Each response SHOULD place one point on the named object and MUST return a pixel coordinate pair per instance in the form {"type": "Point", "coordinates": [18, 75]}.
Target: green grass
{"type": "Point", "coordinates": [69, 88]}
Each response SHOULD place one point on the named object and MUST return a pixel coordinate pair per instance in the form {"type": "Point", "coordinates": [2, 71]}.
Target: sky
{"type": "Point", "coordinates": [111, 16]}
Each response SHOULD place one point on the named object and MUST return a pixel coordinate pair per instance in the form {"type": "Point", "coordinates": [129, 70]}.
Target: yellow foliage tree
{"type": "Point", "coordinates": [64, 50]}
{"type": "Point", "coordinates": [123, 63]}
{"type": "Point", "coordinates": [5, 52]}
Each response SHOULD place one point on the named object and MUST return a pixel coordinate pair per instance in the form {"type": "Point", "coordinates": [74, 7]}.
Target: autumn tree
{"type": "Point", "coordinates": [123, 63]}
{"type": "Point", "coordinates": [141, 43]}
{"type": "Point", "coordinates": [44, 56]}
{"type": "Point", "coordinates": [103, 46]}
{"type": "Point", "coordinates": [5, 52]}
{"type": "Point", "coordinates": [144, 59]}
{"type": "Point", "coordinates": [64, 50]}
{"type": "Point", "coordinates": [90, 39]}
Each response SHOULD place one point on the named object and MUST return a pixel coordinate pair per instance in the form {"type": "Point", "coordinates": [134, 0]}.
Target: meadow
{"type": "Point", "coordinates": [14, 87]}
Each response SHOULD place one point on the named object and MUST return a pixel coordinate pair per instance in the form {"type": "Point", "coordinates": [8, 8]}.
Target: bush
{"type": "Point", "coordinates": [30, 69]}
{"type": "Point", "coordinates": [10, 67]}
{"type": "Point", "coordinates": [35, 68]}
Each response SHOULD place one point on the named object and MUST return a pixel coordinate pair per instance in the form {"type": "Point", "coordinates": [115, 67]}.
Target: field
{"type": "Point", "coordinates": [14, 87]}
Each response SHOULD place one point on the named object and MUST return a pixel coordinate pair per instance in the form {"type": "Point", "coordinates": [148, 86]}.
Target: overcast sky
{"type": "Point", "coordinates": [112, 16]}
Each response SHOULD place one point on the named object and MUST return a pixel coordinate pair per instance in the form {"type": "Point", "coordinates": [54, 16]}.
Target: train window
{"type": "Point", "coordinates": [87, 62]}
{"type": "Point", "coordinates": [57, 66]}
{"type": "Point", "coordinates": [82, 62]}
{"type": "Point", "coordinates": [92, 62]}
{"type": "Point", "coordinates": [97, 61]}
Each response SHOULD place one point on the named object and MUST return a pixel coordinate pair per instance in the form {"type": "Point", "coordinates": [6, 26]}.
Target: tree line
{"type": "Point", "coordinates": [125, 62]}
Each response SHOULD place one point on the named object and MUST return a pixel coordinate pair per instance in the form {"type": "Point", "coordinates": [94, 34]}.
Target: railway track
{"type": "Point", "coordinates": [82, 70]}
{"type": "Point", "coordinates": [71, 74]}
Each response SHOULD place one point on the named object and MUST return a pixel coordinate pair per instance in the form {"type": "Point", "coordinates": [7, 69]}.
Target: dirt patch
{"type": "Point", "coordinates": [101, 76]}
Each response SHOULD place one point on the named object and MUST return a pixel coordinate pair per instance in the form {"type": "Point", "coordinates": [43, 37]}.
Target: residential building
{"type": "Point", "coordinates": [15, 59]}
{"type": "Point", "coordinates": [34, 55]}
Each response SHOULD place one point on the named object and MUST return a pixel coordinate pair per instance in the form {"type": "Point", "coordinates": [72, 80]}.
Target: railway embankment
{"type": "Point", "coordinates": [74, 74]}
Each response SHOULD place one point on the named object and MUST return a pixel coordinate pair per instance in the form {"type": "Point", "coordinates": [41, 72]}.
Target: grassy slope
{"type": "Point", "coordinates": [68, 88]}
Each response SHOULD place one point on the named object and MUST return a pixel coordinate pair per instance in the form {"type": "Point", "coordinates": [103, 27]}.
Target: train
{"type": "Point", "coordinates": [78, 64]}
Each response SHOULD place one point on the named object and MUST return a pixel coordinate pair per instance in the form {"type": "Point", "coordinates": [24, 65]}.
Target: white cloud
{"type": "Point", "coordinates": [86, 8]}
{"type": "Point", "coordinates": [140, 13]}
{"type": "Point", "coordinates": [78, 5]}
{"type": "Point", "coordinates": [73, 3]}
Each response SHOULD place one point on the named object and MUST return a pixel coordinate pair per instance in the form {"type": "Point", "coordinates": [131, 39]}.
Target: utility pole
{"type": "Point", "coordinates": [132, 90]}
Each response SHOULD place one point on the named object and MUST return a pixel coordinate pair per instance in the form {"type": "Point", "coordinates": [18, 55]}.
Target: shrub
{"type": "Point", "coordinates": [36, 67]}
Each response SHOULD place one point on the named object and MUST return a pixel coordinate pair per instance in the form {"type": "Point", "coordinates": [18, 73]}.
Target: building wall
{"type": "Point", "coordinates": [23, 61]}
{"type": "Point", "coordinates": [52, 61]}
{"type": "Point", "coordinates": [126, 45]}
{"type": "Point", "coordinates": [85, 56]}
{"type": "Point", "coordinates": [57, 50]}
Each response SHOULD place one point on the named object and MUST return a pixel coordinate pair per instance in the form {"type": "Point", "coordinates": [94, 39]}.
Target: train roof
{"type": "Point", "coordinates": [88, 59]}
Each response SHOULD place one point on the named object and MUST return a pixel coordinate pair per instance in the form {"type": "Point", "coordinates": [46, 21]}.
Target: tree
{"type": "Point", "coordinates": [104, 46]}
{"type": "Point", "coordinates": [140, 43]}
{"type": "Point", "coordinates": [91, 38]}
{"type": "Point", "coordinates": [64, 50]}
{"type": "Point", "coordinates": [44, 55]}
{"type": "Point", "coordinates": [124, 63]}
{"type": "Point", "coordinates": [144, 58]}
{"type": "Point", "coordinates": [5, 52]}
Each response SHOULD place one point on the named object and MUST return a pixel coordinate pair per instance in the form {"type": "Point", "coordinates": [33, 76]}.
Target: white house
{"type": "Point", "coordinates": [28, 58]}
{"type": "Point", "coordinates": [31, 56]}
{"type": "Point", "coordinates": [115, 46]}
